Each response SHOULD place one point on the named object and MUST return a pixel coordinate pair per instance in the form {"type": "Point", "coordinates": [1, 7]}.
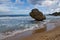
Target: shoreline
{"type": "Point", "coordinates": [27, 31]}
{"type": "Point", "coordinates": [50, 35]}
{"type": "Point", "coordinates": [47, 35]}
{"type": "Point", "coordinates": [30, 33]}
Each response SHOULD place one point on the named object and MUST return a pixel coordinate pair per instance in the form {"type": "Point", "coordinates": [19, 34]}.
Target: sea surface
{"type": "Point", "coordinates": [11, 25]}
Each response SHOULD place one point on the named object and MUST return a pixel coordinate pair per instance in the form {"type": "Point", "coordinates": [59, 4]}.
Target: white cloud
{"type": "Point", "coordinates": [59, 5]}
{"type": "Point", "coordinates": [28, 8]}
{"type": "Point", "coordinates": [4, 0]}
{"type": "Point", "coordinates": [25, 11]}
{"type": "Point", "coordinates": [37, 6]}
{"type": "Point", "coordinates": [8, 7]}
{"type": "Point", "coordinates": [50, 5]}
{"type": "Point", "coordinates": [34, 2]}
{"type": "Point", "coordinates": [19, 2]}
{"type": "Point", "coordinates": [4, 8]}
{"type": "Point", "coordinates": [57, 10]}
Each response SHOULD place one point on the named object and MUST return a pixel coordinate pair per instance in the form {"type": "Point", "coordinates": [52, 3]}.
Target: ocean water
{"type": "Point", "coordinates": [14, 23]}
{"type": "Point", "coordinates": [9, 25]}
{"type": "Point", "coordinates": [19, 23]}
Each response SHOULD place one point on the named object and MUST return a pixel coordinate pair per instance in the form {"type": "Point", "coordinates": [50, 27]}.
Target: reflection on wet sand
{"type": "Point", "coordinates": [43, 28]}
{"type": "Point", "coordinates": [52, 32]}
{"type": "Point", "coordinates": [39, 30]}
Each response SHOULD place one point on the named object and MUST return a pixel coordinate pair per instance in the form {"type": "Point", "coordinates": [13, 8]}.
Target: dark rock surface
{"type": "Point", "coordinates": [55, 14]}
{"type": "Point", "coordinates": [37, 15]}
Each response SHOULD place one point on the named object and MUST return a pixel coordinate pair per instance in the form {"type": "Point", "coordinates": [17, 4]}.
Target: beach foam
{"type": "Point", "coordinates": [34, 27]}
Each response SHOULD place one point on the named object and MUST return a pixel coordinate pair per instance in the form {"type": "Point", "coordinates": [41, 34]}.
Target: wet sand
{"type": "Point", "coordinates": [40, 34]}
{"type": "Point", "coordinates": [51, 35]}
{"type": "Point", "coordinates": [47, 35]}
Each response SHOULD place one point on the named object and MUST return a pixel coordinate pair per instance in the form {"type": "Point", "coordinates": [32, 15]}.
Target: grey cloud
{"type": "Point", "coordinates": [35, 1]}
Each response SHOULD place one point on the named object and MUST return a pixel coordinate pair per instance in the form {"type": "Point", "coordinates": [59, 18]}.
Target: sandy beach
{"type": "Point", "coordinates": [50, 35]}
{"type": "Point", "coordinates": [40, 34]}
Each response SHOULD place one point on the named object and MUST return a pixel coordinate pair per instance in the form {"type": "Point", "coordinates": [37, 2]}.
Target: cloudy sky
{"type": "Point", "coordinates": [25, 6]}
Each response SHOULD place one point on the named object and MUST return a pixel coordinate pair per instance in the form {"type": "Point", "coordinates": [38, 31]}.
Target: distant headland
{"type": "Point", "coordinates": [55, 14]}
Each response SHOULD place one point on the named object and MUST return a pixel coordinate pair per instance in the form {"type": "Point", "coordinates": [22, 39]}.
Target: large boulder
{"type": "Point", "coordinates": [37, 15]}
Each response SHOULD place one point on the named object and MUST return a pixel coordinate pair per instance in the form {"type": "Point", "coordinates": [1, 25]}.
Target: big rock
{"type": "Point", "coordinates": [37, 15]}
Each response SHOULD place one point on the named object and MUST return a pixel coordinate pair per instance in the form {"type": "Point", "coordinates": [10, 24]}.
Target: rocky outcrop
{"type": "Point", "coordinates": [37, 15]}
{"type": "Point", "coordinates": [55, 14]}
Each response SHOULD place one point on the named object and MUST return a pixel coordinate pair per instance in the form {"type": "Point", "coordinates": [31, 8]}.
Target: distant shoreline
{"type": "Point", "coordinates": [12, 15]}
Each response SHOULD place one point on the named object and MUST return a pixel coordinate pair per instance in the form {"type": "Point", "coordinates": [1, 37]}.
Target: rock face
{"type": "Point", "coordinates": [37, 15]}
{"type": "Point", "coordinates": [55, 14]}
